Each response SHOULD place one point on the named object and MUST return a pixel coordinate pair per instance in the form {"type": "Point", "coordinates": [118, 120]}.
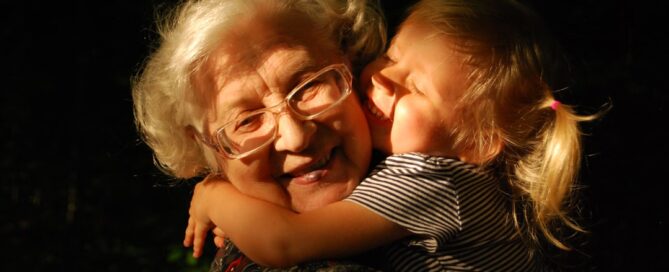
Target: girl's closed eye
{"type": "Point", "coordinates": [388, 58]}
{"type": "Point", "coordinates": [413, 87]}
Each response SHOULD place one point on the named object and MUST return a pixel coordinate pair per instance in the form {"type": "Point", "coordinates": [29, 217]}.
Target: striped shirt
{"type": "Point", "coordinates": [458, 214]}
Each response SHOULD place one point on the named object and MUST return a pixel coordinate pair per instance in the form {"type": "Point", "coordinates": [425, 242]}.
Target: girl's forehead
{"type": "Point", "coordinates": [412, 31]}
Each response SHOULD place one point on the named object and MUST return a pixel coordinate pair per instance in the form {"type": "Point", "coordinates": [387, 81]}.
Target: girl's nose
{"type": "Point", "coordinates": [382, 84]}
{"type": "Point", "coordinates": [294, 134]}
{"type": "Point", "coordinates": [382, 94]}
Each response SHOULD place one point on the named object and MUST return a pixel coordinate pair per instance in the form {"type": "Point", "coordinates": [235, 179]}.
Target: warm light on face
{"type": "Point", "coordinates": [412, 92]}
{"type": "Point", "coordinates": [251, 132]}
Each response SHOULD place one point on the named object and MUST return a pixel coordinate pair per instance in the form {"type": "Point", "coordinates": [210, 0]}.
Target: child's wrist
{"type": "Point", "coordinates": [218, 198]}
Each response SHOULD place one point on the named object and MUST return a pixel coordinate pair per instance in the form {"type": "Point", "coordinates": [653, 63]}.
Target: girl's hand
{"type": "Point", "coordinates": [196, 233]}
{"type": "Point", "coordinates": [199, 222]}
{"type": "Point", "coordinates": [219, 237]}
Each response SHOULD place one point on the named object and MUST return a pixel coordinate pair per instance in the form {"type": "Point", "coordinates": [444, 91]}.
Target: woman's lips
{"type": "Point", "coordinates": [310, 177]}
{"type": "Point", "coordinates": [314, 172]}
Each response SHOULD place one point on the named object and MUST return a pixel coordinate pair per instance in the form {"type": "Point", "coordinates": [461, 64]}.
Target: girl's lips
{"type": "Point", "coordinates": [375, 116]}
{"type": "Point", "coordinates": [375, 111]}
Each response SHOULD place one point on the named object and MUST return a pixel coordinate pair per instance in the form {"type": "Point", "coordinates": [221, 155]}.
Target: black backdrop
{"type": "Point", "coordinates": [79, 191]}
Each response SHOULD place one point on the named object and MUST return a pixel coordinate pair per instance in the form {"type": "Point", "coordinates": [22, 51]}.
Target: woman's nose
{"type": "Point", "coordinates": [294, 134]}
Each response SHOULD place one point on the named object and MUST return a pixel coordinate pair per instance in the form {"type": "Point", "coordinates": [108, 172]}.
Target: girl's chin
{"type": "Point", "coordinates": [382, 146]}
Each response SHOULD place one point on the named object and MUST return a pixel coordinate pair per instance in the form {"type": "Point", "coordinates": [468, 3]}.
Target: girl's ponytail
{"type": "Point", "coordinates": [546, 175]}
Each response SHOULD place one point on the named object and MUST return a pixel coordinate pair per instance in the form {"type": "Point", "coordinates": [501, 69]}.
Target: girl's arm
{"type": "Point", "coordinates": [278, 237]}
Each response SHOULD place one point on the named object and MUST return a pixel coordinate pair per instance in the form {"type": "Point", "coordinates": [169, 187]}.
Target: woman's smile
{"type": "Point", "coordinates": [310, 172]}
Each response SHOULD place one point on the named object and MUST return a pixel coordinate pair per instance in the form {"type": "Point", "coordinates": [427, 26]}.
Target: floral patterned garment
{"type": "Point", "coordinates": [230, 259]}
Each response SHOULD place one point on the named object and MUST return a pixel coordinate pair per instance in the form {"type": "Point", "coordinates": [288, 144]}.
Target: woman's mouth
{"type": "Point", "coordinates": [313, 172]}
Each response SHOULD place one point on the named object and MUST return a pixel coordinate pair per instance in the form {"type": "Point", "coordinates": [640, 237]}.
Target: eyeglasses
{"type": "Point", "coordinates": [314, 96]}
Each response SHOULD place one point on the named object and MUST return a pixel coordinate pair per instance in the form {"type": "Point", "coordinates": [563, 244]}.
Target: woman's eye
{"type": "Point", "coordinates": [309, 91]}
{"type": "Point", "coordinates": [249, 123]}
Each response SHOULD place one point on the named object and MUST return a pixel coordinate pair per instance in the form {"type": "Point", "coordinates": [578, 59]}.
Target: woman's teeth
{"type": "Point", "coordinates": [313, 176]}
{"type": "Point", "coordinates": [312, 172]}
{"type": "Point", "coordinates": [321, 163]}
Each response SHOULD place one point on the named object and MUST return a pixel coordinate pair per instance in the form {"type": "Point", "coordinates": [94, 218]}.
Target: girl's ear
{"type": "Point", "coordinates": [486, 154]}
{"type": "Point", "coordinates": [495, 148]}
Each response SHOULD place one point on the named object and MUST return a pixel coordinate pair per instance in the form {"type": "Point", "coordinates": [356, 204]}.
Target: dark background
{"type": "Point", "coordinates": [79, 191]}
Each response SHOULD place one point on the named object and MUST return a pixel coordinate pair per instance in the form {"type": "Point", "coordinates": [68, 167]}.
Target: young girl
{"type": "Point", "coordinates": [484, 157]}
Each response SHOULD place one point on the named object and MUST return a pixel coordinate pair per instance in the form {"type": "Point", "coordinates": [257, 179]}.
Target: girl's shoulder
{"type": "Point", "coordinates": [422, 161]}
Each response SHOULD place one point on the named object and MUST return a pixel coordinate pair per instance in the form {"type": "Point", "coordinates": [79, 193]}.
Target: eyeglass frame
{"type": "Point", "coordinates": [340, 68]}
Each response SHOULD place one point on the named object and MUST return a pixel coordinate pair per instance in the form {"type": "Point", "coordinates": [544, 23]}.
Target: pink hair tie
{"type": "Point", "coordinates": [555, 104]}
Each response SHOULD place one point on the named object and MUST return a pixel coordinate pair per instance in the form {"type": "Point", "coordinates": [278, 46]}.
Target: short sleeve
{"type": "Point", "coordinates": [414, 191]}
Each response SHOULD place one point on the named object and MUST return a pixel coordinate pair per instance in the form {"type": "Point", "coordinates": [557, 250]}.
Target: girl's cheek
{"type": "Point", "coordinates": [416, 127]}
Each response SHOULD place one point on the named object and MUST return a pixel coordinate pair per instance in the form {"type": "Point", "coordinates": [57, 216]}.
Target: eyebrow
{"type": "Point", "coordinates": [231, 106]}
{"type": "Point", "coordinates": [294, 74]}
{"type": "Point", "coordinates": [299, 73]}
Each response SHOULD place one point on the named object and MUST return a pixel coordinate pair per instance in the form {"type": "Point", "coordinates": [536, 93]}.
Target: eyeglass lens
{"type": "Point", "coordinates": [247, 133]}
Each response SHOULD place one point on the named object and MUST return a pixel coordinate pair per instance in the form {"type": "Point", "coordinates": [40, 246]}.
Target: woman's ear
{"type": "Point", "coordinates": [209, 156]}
{"type": "Point", "coordinates": [214, 177]}
{"type": "Point", "coordinates": [191, 132]}
{"type": "Point", "coordinates": [196, 136]}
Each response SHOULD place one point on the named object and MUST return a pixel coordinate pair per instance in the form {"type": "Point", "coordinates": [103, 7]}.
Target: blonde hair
{"type": "Point", "coordinates": [165, 103]}
{"type": "Point", "coordinates": [509, 118]}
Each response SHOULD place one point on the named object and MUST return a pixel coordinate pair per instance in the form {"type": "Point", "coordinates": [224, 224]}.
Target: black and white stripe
{"type": "Point", "coordinates": [458, 213]}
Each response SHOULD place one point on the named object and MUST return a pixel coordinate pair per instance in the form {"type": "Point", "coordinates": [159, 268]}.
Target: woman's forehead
{"type": "Point", "coordinates": [240, 83]}
{"type": "Point", "coordinates": [261, 56]}
{"type": "Point", "coordinates": [272, 66]}
{"type": "Point", "coordinates": [266, 45]}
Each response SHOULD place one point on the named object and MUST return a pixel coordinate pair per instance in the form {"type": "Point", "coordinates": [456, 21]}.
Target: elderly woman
{"type": "Point", "coordinates": [260, 93]}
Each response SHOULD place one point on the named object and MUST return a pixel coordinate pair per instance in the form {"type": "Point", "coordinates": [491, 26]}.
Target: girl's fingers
{"type": "Point", "coordinates": [198, 242]}
{"type": "Point", "coordinates": [188, 238]}
{"type": "Point", "coordinates": [218, 232]}
{"type": "Point", "coordinates": [219, 237]}
{"type": "Point", "coordinates": [219, 241]}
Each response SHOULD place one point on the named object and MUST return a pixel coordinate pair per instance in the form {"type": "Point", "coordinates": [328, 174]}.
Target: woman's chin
{"type": "Point", "coordinates": [322, 197]}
